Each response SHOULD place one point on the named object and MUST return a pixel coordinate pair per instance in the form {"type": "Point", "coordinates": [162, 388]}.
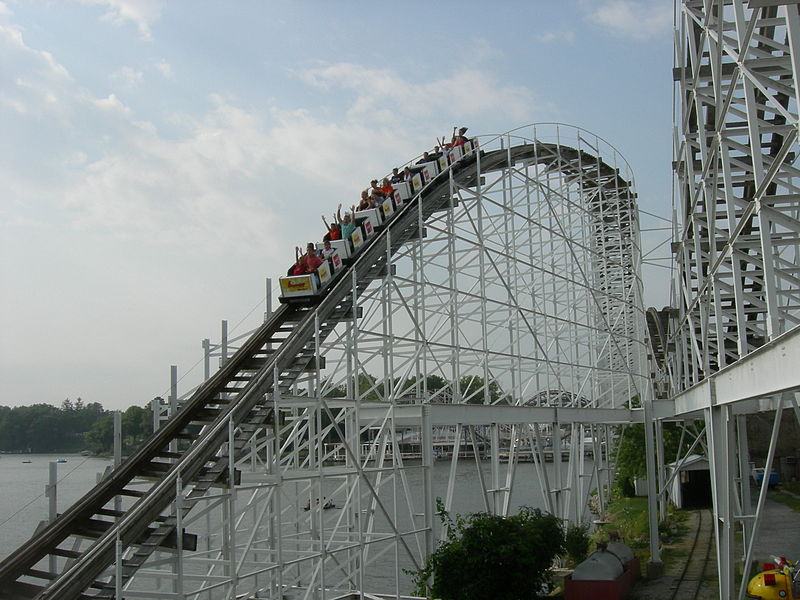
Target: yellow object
{"type": "Point", "coordinates": [775, 584]}
{"type": "Point", "coordinates": [296, 283]}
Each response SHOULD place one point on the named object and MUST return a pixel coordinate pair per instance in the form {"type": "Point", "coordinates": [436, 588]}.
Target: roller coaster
{"type": "Point", "coordinates": [521, 262]}
{"type": "Point", "coordinates": [140, 510]}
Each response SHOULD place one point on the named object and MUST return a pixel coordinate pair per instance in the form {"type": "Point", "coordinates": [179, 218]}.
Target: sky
{"type": "Point", "coordinates": [159, 160]}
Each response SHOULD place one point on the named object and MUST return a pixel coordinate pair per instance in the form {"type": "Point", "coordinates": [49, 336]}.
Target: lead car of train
{"type": "Point", "coordinates": [311, 287]}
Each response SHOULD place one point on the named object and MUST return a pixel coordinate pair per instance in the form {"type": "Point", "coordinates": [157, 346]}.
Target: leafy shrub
{"type": "Point", "coordinates": [576, 542]}
{"type": "Point", "coordinates": [491, 557]}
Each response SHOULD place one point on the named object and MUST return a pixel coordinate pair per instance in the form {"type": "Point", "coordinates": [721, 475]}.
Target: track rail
{"type": "Point", "coordinates": [690, 581]}
{"type": "Point", "coordinates": [190, 450]}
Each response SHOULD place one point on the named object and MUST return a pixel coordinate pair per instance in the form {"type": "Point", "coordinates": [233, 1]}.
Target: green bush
{"type": "Point", "coordinates": [576, 542]}
{"type": "Point", "coordinates": [491, 557]}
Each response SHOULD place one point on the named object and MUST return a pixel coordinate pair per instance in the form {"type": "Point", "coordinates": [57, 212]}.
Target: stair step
{"type": "Point", "coordinates": [169, 454]}
{"type": "Point", "coordinates": [110, 512]}
{"type": "Point", "coordinates": [65, 553]}
{"type": "Point", "coordinates": [39, 574]}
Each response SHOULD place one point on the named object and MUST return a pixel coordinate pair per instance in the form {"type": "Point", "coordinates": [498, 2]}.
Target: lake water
{"type": "Point", "coordinates": [23, 503]}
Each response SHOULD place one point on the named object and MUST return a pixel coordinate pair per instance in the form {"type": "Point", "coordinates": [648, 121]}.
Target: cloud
{"type": "Point", "coordinates": [39, 82]}
{"type": "Point", "coordinates": [550, 37]}
{"type": "Point", "coordinates": [127, 77]}
{"type": "Point", "coordinates": [140, 12]}
{"type": "Point", "coordinates": [11, 36]}
{"type": "Point", "coordinates": [203, 191]}
{"type": "Point", "coordinates": [481, 50]}
{"type": "Point", "coordinates": [111, 103]}
{"type": "Point", "coordinates": [99, 169]}
{"type": "Point", "coordinates": [35, 85]}
{"type": "Point", "coordinates": [217, 185]}
{"type": "Point", "coordinates": [383, 94]}
{"type": "Point", "coordinates": [163, 67]}
{"type": "Point", "coordinates": [231, 178]}
{"type": "Point", "coordinates": [639, 19]}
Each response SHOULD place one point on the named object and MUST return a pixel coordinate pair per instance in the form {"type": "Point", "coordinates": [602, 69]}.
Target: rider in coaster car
{"type": "Point", "coordinates": [386, 188]}
{"type": "Point", "coordinates": [310, 260]}
{"type": "Point", "coordinates": [348, 226]}
{"type": "Point", "coordinates": [334, 229]}
{"type": "Point", "coordinates": [459, 139]}
{"type": "Point", "coordinates": [365, 202]}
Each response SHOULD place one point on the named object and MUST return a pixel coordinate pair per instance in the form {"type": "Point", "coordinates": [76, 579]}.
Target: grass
{"type": "Point", "coordinates": [628, 517]}
{"type": "Point", "coordinates": [788, 494]}
{"type": "Point", "coordinates": [792, 487]}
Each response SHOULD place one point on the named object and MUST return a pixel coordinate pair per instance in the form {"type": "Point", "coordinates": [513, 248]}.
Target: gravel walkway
{"type": "Point", "coordinates": [778, 533]}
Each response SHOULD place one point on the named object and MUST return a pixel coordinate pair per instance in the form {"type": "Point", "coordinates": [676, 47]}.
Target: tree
{"type": "Point", "coordinates": [100, 437]}
{"type": "Point", "coordinates": [631, 455]}
{"type": "Point", "coordinates": [137, 423]}
{"type": "Point", "coordinates": [492, 557]}
{"type": "Point", "coordinates": [472, 390]}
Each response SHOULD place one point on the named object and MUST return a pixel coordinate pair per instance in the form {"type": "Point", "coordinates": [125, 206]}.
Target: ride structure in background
{"type": "Point", "coordinates": [513, 271]}
{"type": "Point", "coordinates": [731, 340]}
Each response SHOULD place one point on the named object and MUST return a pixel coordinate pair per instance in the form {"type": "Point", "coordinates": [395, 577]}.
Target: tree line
{"type": "Point", "coordinates": [72, 427]}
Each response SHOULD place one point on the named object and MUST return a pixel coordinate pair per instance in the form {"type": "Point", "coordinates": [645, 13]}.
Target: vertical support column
{"type": "Point", "coordinates": [118, 549]}
{"type": "Point", "coordinates": [316, 447]}
{"type": "Point", "coordinates": [276, 496]}
{"type": "Point", "coordinates": [419, 301]}
{"type": "Point", "coordinates": [206, 359]}
{"type": "Point", "coordinates": [453, 295]}
{"type": "Point", "coordinates": [231, 508]}
{"type": "Point", "coordinates": [254, 451]}
{"type": "Point", "coordinates": [117, 438]}
{"type": "Point", "coordinates": [223, 343]}
{"type": "Point", "coordinates": [720, 428]}
{"type": "Point", "coordinates": [762, 495]}
{"type": "Point", "coordinates": [117, 453]}
{"type": "Point", "coordinates": [655, 566]}
{"type": "Point", "coordinates": [744, 478]}
{"type": "Point", "coordinates": [559, 486]}
{"type": "Point", "coordinates": [427, 482]}
{"type": "Point", "coordinates": [497, 504]}
{"type": "Point", "coordinates": [155, 407]}
{"type": "Point", "coordinates": [268, 308]}
{"type": "Point", "coordinates": [179, 537]}
{"type": "Point", "coordinates": [173, 400]}
{"type": "Point", "coordinates": [660, 469]}
{"type": "Point", "coordinates": [51, 491]}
